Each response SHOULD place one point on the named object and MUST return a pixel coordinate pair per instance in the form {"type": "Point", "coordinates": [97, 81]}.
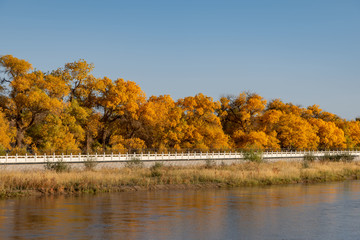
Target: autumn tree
{"type": "Point", "coordinates": [330, 136]}
{"type": "Point", "coordinates": [295, 132]}
{"type": "Point", "coordinates": [119, 102]}
{"type": "Point", "coordinates": [162, 123]}
{"type": "Point", "coordinates": [351, 131]}
{"type": "Point", "coordinates": [30, 96]}
{"type": "Point", "coordinates": [62, 131]}
{"type": "Point", "coordinates": [326, 126]}
{"type": "Point", "coordinates": [279, 105]}
{"type": "Point", "coordinates": [241, 120]}
{"type": "Point", "coordinates": [6, 133]}
{"type": "Point", "coordinates": [285, 121]}
{"type": "Point", "coordinates": [203, 128]}
{"type": "Point", "coordinates": [82, 98]}
{"type": "Point", "coordinates": [315, 111]}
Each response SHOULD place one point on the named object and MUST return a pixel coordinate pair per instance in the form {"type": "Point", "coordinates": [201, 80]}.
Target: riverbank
{"type": "Point", "coordinates": [134, 178]}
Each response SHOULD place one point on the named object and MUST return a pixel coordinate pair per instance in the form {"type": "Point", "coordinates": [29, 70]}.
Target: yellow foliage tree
{"type": "Point", "coordinates": [120, 104]}
{"type": "Point", "coordinates": [119, 143]}
{"type": "Point", "coordinates": [352, 133]}
{"type": "Point", "coordinates": [277, 104]}
{"type": "Point", "coordinates": [6, 133]}
{"type": "Point", "coordinates": [241, 112]}
{"type": "Point", "coordinates": [202, 127]}
{"type": "Point", "coordinates": [295, 132]}
{"type": "Point", "coordinates": [57, 133]}
{"type": "Point", "coordinates": [31, 95]}
{"type": "Point", "coordinates": [161, 118]}
{"type": "Point", "coordinates": [84, 92]}
{"type": "Point", "coordinates": [241, 117]}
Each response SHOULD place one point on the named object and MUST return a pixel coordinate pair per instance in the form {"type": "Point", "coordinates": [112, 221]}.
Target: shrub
{"type": "Point", "coordinates": [253, 155]}
{"type": "Point", "coordinates": [157, 165]}
{"type": "Point", "coordinates": [210, 163]}
{"type": "Point", "coordinates": [156, 169]}
{"type": "Point", "coordinates": [346, 157]}
{"type": "Point", "coordinates": [309, 157]}
{"type": "Point", "coordinates": [134, 163]}
{"type": "Point", "coordinates": [306, 164]}
{"type": "Point", "coordinates": [58, 166]}
{"type": "Point", "coordinates": [90, 163]}
{"type": "Point", "coordinates": [325, 158]}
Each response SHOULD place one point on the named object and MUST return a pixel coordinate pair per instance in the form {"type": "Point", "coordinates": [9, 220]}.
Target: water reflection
{"type": "Point", "coordinates": [322, 211]}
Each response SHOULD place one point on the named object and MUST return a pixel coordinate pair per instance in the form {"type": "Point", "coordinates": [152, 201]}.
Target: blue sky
{"type": "Point", "coordinates": [302, 51]}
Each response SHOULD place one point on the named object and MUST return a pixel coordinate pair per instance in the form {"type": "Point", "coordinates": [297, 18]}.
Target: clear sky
{"type": "Point", "coordinates": [301, 51]}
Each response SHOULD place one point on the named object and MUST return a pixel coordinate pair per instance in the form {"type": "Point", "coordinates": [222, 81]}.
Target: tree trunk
{"type": "Point", "coordinates": [88, 141]}
{"type": "Point", "coordinates": [19, 138]}
{"type": "Point", "coordinates": [103, 139]}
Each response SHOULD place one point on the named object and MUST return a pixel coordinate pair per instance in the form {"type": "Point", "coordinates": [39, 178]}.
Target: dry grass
{"type": "Point", "coordinates": [125, 179]}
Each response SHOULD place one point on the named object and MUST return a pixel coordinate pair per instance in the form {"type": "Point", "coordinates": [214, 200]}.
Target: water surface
{"type": "Point", "coordinates": [321, 211]}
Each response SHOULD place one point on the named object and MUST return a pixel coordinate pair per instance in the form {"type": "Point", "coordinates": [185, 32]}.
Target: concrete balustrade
{"type": "Point", "coordinates": [163, 157]}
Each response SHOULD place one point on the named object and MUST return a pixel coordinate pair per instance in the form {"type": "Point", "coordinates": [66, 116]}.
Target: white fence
{"type": "Point", "coordinates": [161, 157]}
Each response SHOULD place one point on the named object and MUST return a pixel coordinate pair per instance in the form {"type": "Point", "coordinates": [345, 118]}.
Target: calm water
{"type": "Point", "coordinates": [322, 211]}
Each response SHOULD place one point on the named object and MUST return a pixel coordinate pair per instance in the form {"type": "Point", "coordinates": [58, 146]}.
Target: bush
{"type": "Point", "coordinates": [345, 157]}
{"type": "Point", "coordinates": [306, 164]}
{"type": "Point", "coordinates": [253, 155]}
{"type": "Point", "coordinates": [156, 169]}
{"type": "Point", "coordinates": [58, 166]}
{"type": "Point", "coordinates": [90, 163]}
{"type": "Point", "coordinates": [157, 165]}
{"type": "Point", "coordinates": [210, 163]}
{"type": "Point", "coordinates": [309, 157]}
{"type": "Point", "coordinates": [134, 163]}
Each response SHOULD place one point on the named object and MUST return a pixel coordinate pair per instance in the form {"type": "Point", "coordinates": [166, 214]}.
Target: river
{"type": "Point", "coordinates": [320, 211]}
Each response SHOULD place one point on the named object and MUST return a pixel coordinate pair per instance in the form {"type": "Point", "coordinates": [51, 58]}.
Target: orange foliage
{"type": "Point", "coordinates": [329, 134]}
{"type": "Point", "coordinates": [69, 108]}
{"type": "Point", "coordinates": [162, 120]}
{"type": "Point", "coordinates": [202, 127]}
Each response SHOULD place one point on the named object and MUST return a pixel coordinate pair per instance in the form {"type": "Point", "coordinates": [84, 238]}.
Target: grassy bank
{"type": "Point", "coordinates": [161, 177]}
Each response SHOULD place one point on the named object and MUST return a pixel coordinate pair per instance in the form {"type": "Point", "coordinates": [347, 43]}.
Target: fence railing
{"type": "Point", "coordinates": [153, 157]}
